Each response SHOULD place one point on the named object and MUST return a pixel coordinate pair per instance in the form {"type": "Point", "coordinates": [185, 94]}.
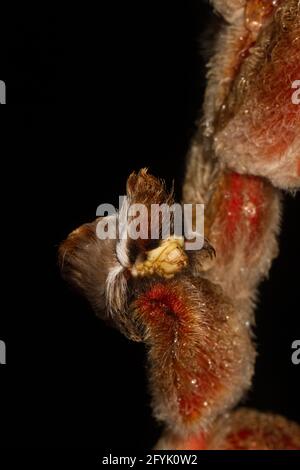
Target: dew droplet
{"type": "Point", "coordinates": [256, 13]}
{"type": "Point", "coordinates": [249, 209]}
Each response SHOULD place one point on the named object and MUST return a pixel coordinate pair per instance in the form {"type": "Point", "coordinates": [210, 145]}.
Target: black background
{"type": "Point", "coordinates": [120, 88]}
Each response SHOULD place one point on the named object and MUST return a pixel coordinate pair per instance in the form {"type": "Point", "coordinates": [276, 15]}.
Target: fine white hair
{"type": "Point", "coordinates": [116, 284]}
